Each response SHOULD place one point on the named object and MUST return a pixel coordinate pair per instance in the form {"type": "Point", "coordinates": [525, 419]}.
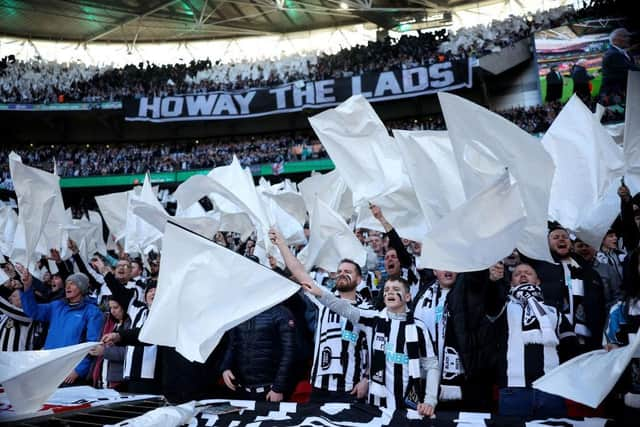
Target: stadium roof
{"type": "Point", "coordinates": [161, 20]}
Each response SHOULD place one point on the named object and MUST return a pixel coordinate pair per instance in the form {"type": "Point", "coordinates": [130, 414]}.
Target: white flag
{"type": "Point", "coordinates": [347, 132]}
{"type": "Point", "coordinates": [588, 166]}
{"type": "Point", "coordinates": [433, 170]}
{"type": "Point", "coordinates": [36, 191]}
{"type": "Point", "coordinates": [288, 198]}
{"type": "Point", "coordinates": [8, 225]}
{"type": "Point", "coordinates": [364, 154]}
{"type": "Point", "coordinates": [138, 233]}
{"type": "Point", "coordinates": [479, 233]}
{"type": "Point", "coordinates": [30, 377]}
{"type": "Point", "coordinates": [632, 133]}
{"type": "Point", "coordinates": [206, 226]}
{"type": "Point", "coordinates": [330, 240]}
{"type": "Point", "coordinates": [588, 378]}
{"type": "Point", "coordinates": [113, 208]}
{"type": "Point", "coordinates": [204, 290]}
{"type": "Point", "coordinates": [232, 190]}
{"type": "Point", "coordinates": [331, 189]}
{"type": "Point", "coordinates": [528, 163]}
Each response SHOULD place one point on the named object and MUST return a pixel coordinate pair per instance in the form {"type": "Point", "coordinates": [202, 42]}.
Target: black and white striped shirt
{"type": "Point", "coordinates": [396, 377]}
{"type": "Point", "coordinates": [340, 353]}
{"type": "Point", "coordinates": [17, 330]}
{"type": "Point", "coordinates": [140, 360]}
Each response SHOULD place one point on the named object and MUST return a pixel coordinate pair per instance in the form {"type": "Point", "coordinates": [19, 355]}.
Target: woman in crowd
{"type": "Point", "coordinates": [109, 365]}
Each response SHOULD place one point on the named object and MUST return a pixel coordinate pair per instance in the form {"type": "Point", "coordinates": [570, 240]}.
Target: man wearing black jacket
{"type": "Point", "coordinates": [463, 337]}
{"type": "Point", "coordinates": [616, 63]}
{"type": "Point", "coordinates": [259, 360]}
{"type": "Point", "coordinates": [574, 288]}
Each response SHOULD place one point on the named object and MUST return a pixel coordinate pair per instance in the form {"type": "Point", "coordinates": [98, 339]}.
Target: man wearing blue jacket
{"type": "Point", "coordinates": [73, 319]}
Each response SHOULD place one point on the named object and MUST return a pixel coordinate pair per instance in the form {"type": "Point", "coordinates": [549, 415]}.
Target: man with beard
{"type": "Point", "coordinates": [574, 288]}
{"type": "Point", "coordinates": [339, 372]}
{"type": "Point", "coordinates": [401, 352]}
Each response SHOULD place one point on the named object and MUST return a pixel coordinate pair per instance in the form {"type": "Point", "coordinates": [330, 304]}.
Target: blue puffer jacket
{"type": "Point", "coordinates": [68, 325]}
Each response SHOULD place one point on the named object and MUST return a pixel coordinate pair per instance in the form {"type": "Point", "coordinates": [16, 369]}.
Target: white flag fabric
{"type": "Point", "coordinates": [331, 189]}
{"type": "Point", "coordinates": [589, 377]}
{"type": "Point", "coordinates": [88, 237]}
{"type": "Point", "coordinates": [232, 190]}
{"type": "Point", "coordinates": [588, 163]}
{"type": "Point", "coordinates": [8, 225]}
{"type": "Point", "coordinates": [206, 226]}
{"type": "Point", "coordinates": [527, 161]}
{"type": "Point", "coordinates": [330, 240]}
{"type": "Point", "coordinates": [632, 133]}
{"type": "Point", "coordinates": [478, 233]}
{"type": "Point", "coordinates": [364, 154]}
{"type": "Point", "coordinates": [204, 290]}
{"type": "Point", "coordinates": [30, 377]}
{"type": "Point", "coordinates": [113, 207]}
{"type": "Point", "coordinates": [138, 233]}
{"type": "Point", "coordinates": [347, 132]}
{"type": "Point", "coordinates": [36, 191]}
{"type": "Point", "coordinates": [288, 198]}
{"type": "Point", "coordinates": [433, 171]}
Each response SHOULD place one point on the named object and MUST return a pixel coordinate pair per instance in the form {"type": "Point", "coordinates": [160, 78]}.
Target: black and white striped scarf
{"type": "Point", "coordinates": [433, 305]}
{"type": "Point", "coordinates": [384, 351]}
{"type": "Point", "coordinates": [574, 297]}
{"type": "Point", "coordinates": [537, 325]}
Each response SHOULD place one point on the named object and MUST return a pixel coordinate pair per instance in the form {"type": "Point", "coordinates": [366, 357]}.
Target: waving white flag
{"type": "Point", "coordinates": [348, 132]}
{"type": "Point", "coordinates": [8, 225]}
{"type": "Point", "coordinates": [36, 191]}
{"type": "Point", "coordinates": [632, 133]}
{"type": "Point", "coordinates": [363, 152]}
{"type": "Point", "coordinates": [330, 240]}
{"type": "Point", "coordinates": [113, 207]}
{"type": "Point", "coordinates": [588, 167]}
{"type": "Point", "coordinates": [433, 170]}
{"type": "Point", "coordinates": [138, 233]}
{"type": "Point", "coordinates": [205, 225]}
{"type": "Point", "coordinates": [30, 377]}
{"type": "Point", "coordinates": [331, 189]}
{"type": "Point", "coordinates": [588, 378]}
{"type": "Point", "coordinates": [478, 233]}
{"type": "Point", "coordinates": [204, 290]}
{"type": "Point", "coordinates": [528, 163]}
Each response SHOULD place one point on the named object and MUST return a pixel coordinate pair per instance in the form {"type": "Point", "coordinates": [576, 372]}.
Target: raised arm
{"type": "Point", "coordinates": [395, 242]}
{"type": "Point", "coordinates": [293, 264]}
{"type": "Point", "coordinates": [630, 232]}
{"type": "Point", "coordinates": [343, 307]}
{"type": "Point", "coordinates": [31, 308]}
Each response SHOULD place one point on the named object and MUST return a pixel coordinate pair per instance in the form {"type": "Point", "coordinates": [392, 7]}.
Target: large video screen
{"type": "Point", "coordinates": [563, 48]}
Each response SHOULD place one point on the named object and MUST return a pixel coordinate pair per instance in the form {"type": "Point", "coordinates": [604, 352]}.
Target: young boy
{"type": "Point", "coordinates": [401, 349]}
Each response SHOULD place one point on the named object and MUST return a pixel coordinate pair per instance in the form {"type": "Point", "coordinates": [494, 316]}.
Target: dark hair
{"type": "Point", "coordinates": [630, 276]}
{"type": "Point", "coordinates": [402, 280]}
{"type": "Point", "coordinates": [555, 225]}
{"type": "Point", "coordinates": [355, 265]}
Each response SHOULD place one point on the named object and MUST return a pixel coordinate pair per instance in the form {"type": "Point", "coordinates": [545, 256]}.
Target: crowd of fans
{"type": "Point", "coordinates": [38, 81]}
{"type": "Point", "coordinates": [107, 298]}
{"type": "Point", "coordinates": [122, 159]}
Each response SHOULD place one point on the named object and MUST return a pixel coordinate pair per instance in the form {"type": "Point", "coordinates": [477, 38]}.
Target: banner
{"type": "Point", "coordinates": [291, 97]}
